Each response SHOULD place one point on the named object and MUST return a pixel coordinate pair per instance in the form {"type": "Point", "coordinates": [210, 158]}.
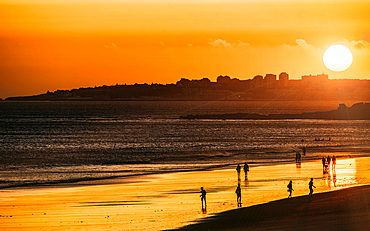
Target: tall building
{"type": "Point", "coordinates": [283, 79]}
{"type": "Point", "coordinates": [270, 80]}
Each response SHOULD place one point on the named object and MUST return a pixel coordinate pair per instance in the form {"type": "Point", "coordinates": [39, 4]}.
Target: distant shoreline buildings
{"type": "Point", "coordinates": [269, 81]}
{"type": "Point", "coordinates": [268, 87]}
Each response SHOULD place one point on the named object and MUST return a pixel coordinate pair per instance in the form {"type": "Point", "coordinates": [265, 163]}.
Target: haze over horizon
{"type": "Point", "coordinates": [49, 45]}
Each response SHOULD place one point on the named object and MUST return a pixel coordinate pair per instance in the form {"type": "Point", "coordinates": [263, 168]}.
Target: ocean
{"type": "Point", "coordinates": [50, 143]}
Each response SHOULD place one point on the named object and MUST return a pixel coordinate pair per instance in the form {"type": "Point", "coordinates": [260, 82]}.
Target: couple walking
{"type": "Point", "coordinates": [310, 186]}
{"type": "Point", "coordinates": [203, 194]}
{"type": "Point", "coordinates": [245, 168]}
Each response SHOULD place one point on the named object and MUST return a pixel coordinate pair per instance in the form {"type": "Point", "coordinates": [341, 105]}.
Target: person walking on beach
{"type": "Point", "coordinates": [298, 157]}
{"type": "Point", "coordinates": [238, 169]}
{"type": "Point", "coordinates": [290, 189]}
{"type": "Point", "coordinates": [311, 186]}
{"type": "Point", "coordinates": [324, 165]}
{"type": "Point", "coordinates": [246, 169]}
{"type": "Point", "coordinates": [238, 192]}
{"type": "Point", "coordinates": [203, 197]}
{"type": "Point", "coordinates": [323, 162]}
{"type": "Point", "coordinates": [334, 160]}
{"type": "Point", "coordinates": [328, 160]}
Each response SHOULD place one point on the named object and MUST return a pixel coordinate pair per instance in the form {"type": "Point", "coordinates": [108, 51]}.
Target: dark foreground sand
{"type": "Point", "coordinates": [347, 209]}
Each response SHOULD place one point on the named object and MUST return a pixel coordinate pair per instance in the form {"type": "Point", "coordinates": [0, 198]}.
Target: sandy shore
{"type": "Point", "coordinates": [347, 209]}
{"type": "Point", "coordinates": [168, 201]}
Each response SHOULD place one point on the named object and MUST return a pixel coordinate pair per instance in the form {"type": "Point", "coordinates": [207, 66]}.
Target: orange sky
{"type": "Point", "coordinates": [65, 44]}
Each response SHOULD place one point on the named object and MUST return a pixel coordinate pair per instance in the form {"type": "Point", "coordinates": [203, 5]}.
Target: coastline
{"type": "Point", "coordinates": [151, 202]}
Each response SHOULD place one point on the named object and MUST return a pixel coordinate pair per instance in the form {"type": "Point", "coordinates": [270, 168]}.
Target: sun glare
{"type": "Point", "coordinates": [337, 58]}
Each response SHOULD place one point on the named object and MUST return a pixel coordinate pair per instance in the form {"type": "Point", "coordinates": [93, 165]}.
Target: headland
{"type": "Point", "coordinates": [358, 111]}
{"type": "Point", "coordinates": [308, 88]}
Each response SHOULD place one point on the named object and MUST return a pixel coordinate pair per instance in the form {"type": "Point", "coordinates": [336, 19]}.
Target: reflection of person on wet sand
{"type": "Point", "coordinates": [290, 189]}
{"type": "Point", "coordinates": [335, 178]}
{"type": "Point", "coordinates": [203, 197]}
{"type": "Point", "coordinates": [324, 165]}
{"type": "Point", "coordinates": [311, 186]}
{"type": "Point", "coordinates": [238, 192]}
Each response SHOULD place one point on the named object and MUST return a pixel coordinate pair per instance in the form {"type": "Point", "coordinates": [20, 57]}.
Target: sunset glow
{"type": "Point", "coordinates": [338, 58]}
{"type": "Point", "coordinates": [49, 45]}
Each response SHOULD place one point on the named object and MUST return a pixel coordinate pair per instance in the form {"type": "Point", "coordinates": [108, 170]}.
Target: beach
{"type": "Point", "coordinates": [346, 209]}
{"type": "Point", "coordinates": [169, 201]}
{"type": "Point", "coordinates": [137, 115]}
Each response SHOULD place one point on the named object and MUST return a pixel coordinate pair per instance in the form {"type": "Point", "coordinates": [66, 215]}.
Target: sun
{"type": "Point", "coordinates": [338, 58]}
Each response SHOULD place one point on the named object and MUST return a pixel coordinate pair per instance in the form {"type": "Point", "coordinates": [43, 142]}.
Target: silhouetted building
{"type": "Point", "coordinates": [257, 81]}
{"type": "Point", "coordinates": [283, 79]}
{"type": "Point", "coordinates": [321, 78]}
{"type": "Point", "coordinates": [270, 80]}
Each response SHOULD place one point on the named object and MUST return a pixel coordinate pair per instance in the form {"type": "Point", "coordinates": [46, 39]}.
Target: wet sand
{"type": "Point", "coordinates": [168, 201]}
{"type": "Point", "coordinates": [347, 209]}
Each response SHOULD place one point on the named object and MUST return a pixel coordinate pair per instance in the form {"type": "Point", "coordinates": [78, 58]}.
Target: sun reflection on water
{"type": "Point", "coordinates": [343, 174]}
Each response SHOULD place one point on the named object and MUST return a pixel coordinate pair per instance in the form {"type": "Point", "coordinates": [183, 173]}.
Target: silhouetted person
{"type": "Point", "coordinates": [311, 186]}
{"type": "Point", "coordinates": [203, 197]}
{"type": "Point", "coordinates": [334, 160]}
{"type": "Point", "coordinates": [290, 189]}
{"type": "Point", "coordinates": [297, 157]}
{"type": "Point", "coordinates": [324, 166]}
{"type": "Point", "coordinates": [238, 192]}
{"type": "Point", "coordinates": [246, 169]}
{"type": "Point", "coordinates": [238, 168]}
{"type": "Point", "coordinates": [323, 162]}
{"type": "Point", "coordinates": [328, 160]}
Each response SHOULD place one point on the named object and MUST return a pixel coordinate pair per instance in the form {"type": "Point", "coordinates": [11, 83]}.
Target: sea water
{"type": "Point", "coordinates": [48, 143]}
